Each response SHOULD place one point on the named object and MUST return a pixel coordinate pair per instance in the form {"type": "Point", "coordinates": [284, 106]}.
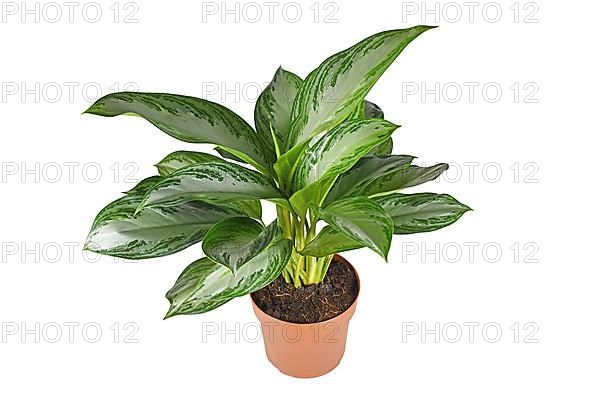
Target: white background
{"type": "Point", "coordinates": [540, 212]}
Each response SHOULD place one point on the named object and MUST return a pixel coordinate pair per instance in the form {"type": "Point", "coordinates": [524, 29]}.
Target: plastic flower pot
{"type": "Point", "coordinates": [306, 350]}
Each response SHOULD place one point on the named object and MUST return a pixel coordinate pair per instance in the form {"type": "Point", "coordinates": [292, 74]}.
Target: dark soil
{"type": "Point", "coordinates": [313, 303]}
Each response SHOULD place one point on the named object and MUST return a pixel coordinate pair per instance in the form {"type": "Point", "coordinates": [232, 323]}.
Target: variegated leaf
{"type": "Point", "coordinates": [144, 185]}
{"type": "Point", "coordinates": [212, 182]}
{"type": "Point", "coordinates": [205, 285]}
{"type": "Point", "coordinates": [329, 241]}
{"type": "Point", "coordinates": [117, 231]}
{"type": "Point", "coordinates": [274, 107]}
{"type": "Point", "coordinates": [251, 208]}
{"type": "Point", "coordinates": [182, 159]}
{"type": "Point", "coordinates": [372, 110]}
{"type": "Point", "coordinates": [367, 110]}
{"type": "Point", "coordinates": [340, 148]}
{"type": "Point", "coordinates": [286, 163]}
{"type": "Point", "coordinates": [333, 154]}
{"type": "Point", "coordinates": [368, 169]}
{"type": "Point", "coordinates": [401, 179]}
{"type": "Point", "coordinates": [234, 241]}
{"type": "Point", "coordinates": [411, 213]}
{"type": "Point", "coordinates": [192, 120]}
{"type": "Point", "coordinates": [197, 286]}
{"type": "Point", "coordinates": [421, 212]}
{"type": "Point", "coordinates": [362, 220]}
{"type": "Point", "coordinates": [383, 149]}
{"type": "Point", "coordinates": [332, 92]}
{"type": "Point", "coordinates": [225, 154]}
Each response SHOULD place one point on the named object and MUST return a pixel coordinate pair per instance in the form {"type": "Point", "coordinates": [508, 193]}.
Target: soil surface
{"type": "Point", "coordinates": [313, 303]}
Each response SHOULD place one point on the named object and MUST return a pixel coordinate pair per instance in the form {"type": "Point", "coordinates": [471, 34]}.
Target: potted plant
{"type": "Point", "coordinates": [319, 152]}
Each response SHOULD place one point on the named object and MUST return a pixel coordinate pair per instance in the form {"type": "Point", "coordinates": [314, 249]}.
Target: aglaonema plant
{"type": "Point", "coordinates": [318, 152]}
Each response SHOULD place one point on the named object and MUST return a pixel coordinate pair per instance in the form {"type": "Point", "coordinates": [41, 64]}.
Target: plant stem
{"type": "Point", "coordinates": [283, 216]}
{"type": "Point", "coordinates": [312, 262]}
{"type": "Point", "coordinates": [325, 262]}
{"type": "Point", "coordinates": [302, 270]}
{"type": "Point", "coordinates": [299, 245]}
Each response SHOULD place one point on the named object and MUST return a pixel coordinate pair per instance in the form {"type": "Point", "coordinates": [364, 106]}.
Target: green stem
{"type": "Point", "coordinates": [283, 217]}
{"type": "Point", "coordinates": [325, 262]}
{"type": "Point", "coordinates": [312, 262]}
{"type": "Point", "coordinates": [302, 270]}
{"type": "Point", "coordinates": [286, 275]}
{"type": "Point", "coordinates": [299, 245]}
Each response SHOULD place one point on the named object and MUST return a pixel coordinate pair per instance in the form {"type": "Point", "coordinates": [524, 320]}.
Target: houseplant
{"type": "Point", "coordinates": [319, 152]}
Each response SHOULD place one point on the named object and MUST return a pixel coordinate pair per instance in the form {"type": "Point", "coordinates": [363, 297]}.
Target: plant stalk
{"type": "Point", "coordinates": [301, 270]}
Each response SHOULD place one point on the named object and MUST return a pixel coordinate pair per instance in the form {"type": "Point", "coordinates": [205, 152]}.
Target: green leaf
{"type": "Point", "coordinates": [383, 149]}
{"type": "Point", "coordinates": [333, 154]}
{"type": "Point", "coordinates": [234, 241]}
{"type": "Point", "coordinates": [412, 213]}
{"type": "Point", "coordinates": [228, 155]}
{"type": "Point", "coordinates": [144, 185]}
{"type": "Point", "coordinates": [205, 285]}
{"type": "Point", "coordinates": [182, 159]}
{"type": "Point", "coordinates": [339, 149]}
{"type": "Point", "coordinates": [286, 164]}
{"type": "Point", "coordinates": [372, 110]}
{"type": "Point", "coordinates": [251, 208]}
{"type": "Point", "coordinates": [361, 220]}
{"type": "Point", "coordinates": [403, 178]}
{"type": "Point", "coordinates": [422, 212]}
{"type": "Point", "coordinates": [329, 241]}
{"type": "Point", "coordinates": [117, 231]}
{"type": "Point", "coordinates": [196, 289]}
{"type": "Point", "coordinates": [367, 170]}
{"type": "Point", "coordinates": [192, 120]}
{"type": "Point", "coordinates": [333, 91]}
{"type": "Point", "coordinates": [366, 110]}
{"type": "Point", "coordinates": [212, 182]}
{"type": "Point", "coordinates": [274, 107]}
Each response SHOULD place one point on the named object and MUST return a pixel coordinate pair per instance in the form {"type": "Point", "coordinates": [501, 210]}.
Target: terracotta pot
{"type": "Point", "coordinates": [306, 350]}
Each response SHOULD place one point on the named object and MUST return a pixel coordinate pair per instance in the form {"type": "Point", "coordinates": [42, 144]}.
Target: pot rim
{"type": "Point", "coordinates": [349, 310]}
